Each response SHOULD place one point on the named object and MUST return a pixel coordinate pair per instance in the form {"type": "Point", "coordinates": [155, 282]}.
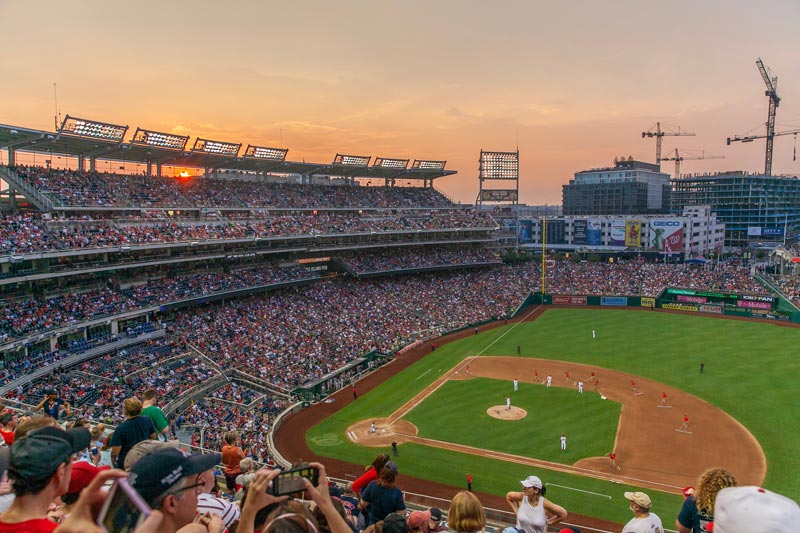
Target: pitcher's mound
{"type": "Point", "coordinates": [500, 411]}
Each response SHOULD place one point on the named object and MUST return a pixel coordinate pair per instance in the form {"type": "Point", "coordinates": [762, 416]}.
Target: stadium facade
{"type": "Point", "coordinates": [753, 207]}
{"type": "Point", "coordinates": [697, 232]}
{"type": "Point", "coordinates": [629, 187]}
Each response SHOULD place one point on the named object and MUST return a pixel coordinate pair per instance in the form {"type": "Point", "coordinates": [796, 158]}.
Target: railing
{"type": "Point", "coordinates": [13, 179]}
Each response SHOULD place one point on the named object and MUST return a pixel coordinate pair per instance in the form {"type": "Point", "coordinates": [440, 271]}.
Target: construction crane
{"type": "Point", "coordinates": [691, 157]}
{"type": "Point", "coordinates": [659, 134]}
{"type": "Point", "coordinates": [774, 102]}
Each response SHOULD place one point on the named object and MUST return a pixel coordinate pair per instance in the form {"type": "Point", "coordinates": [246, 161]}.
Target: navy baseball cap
{"type": "Point", "coordinates": [155, 473]}
{"type": "Point", "coordinates": [37, 455]}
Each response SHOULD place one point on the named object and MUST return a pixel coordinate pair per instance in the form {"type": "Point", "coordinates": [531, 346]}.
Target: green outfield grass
{"type": "Point", "coordinates": [456, 412]}
{"type": "Point", "coordinates": [750, 373]}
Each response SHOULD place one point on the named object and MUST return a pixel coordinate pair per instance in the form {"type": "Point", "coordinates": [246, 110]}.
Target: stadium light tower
{"type": "Point", "coordinates": [266, 153]}
{"type": "Point", "coordinates": [383, 162]}
{"type": "Point", "coordinates": [93, 129]}
{"type": "Point", "coordinates": [500, 167]}
{"type": "Point", "coordinates": [159, 140]}
{"type": "Point", "coordinates": [216, 147]}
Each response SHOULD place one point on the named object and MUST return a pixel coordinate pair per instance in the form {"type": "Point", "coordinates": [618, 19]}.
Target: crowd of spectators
{"type": "Point", "coordinates": [389, 261]}
{"type": "Point", "coordinates": [97, 189]}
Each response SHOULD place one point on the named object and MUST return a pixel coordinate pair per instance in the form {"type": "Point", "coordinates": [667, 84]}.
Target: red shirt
{"type": "Point", "coordinates": [364, 479]}
{"type": "Point", "coordinates": [8, 436]}
{"type": "Point", "coordinates": [612, 456]}
{"type": "Point", "coordinates": [37, 525]}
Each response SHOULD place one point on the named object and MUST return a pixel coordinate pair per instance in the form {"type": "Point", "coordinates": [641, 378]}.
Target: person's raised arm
{"type": "Point", "coordinates": [322, 496]}
{"type": "Point", "coordinates": [514, 499]}
{"type": "Point", "coordinates": [257, 499]}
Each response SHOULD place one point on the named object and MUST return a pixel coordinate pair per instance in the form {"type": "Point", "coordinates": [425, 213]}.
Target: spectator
{"type": "Point", "coordinates": [434, 523]}
{"type": "Point", "coordinates": [209, 502]}
{"type": "Point", "coordinates": [232, 456]}
{"type": "Point", "coordinates": [146, 447]}
{"type": "Point", "coordinates": [170, 481]}
{"type": "Point", "coordinates": [151, 410]}
{"type": "Point", "coordinates": [134, 430]}
{"type": "Point", "coordinates": [754, 510]}
{"type": "Point", "coordinates": [417, 520]}
{"type": "Point", "coordinates": [698, 510]}
{"type": "Point", "coordinates": [82, 474]}
{"type": "Point", "coordinates": [40, 466]}
{"type": "Point", "coordinates": [51, 404]}
{"type": "Point", "coordinates": [9, 422]}
{"type": "Point", "coordinates": [466, 513]}
{"type": "Point", "coordinates": [382, 496]}
{"type": "Point", "coordinates": [643, 520]}
{"type": "Point", "coordinates": [534, 512]}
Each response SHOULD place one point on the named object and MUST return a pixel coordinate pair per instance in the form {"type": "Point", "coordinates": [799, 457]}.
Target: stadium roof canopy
{"type": "Point", "coordinates": [82, 138]}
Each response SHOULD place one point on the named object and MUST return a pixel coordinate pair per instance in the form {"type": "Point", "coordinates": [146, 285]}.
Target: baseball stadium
{"type": "Point", "coordinates": [333, 311]}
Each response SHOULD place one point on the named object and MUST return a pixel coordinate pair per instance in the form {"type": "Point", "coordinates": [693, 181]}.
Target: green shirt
{"type": "Point", "coordinates": [155, 414]}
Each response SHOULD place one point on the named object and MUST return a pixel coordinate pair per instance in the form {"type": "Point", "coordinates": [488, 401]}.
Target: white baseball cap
{"type": "Point", "coordinates": [532, 481]}
{"type": "Point", "coordinates": [754, 510]}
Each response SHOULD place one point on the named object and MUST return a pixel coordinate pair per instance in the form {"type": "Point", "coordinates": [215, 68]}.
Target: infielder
{"type": "Point", "coordinates": [685, 423]}
{"type": "Point", "coordinates": [580, 387]}
{"type": "Point", "coordinates": [516, 385]}
{"type": "Point", "coordinates": [549, 380]}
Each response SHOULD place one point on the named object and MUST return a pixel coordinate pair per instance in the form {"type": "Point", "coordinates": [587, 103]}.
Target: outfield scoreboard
{"type": "Point", "coordinates": [695, 297]}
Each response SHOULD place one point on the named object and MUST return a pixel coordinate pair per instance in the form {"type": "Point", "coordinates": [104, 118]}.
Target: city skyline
{"type": "Point", "coordinates": [571, 85]}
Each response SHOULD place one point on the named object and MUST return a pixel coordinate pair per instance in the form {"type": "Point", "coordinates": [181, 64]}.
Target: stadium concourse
{"type": "Point", "coordinates": [228, 296]}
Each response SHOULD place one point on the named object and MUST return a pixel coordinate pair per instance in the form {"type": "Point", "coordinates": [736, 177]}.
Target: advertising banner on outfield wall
{"type": "Point", "coordinates": [617, 233]}
{"type": "Point", "coordinates": [715, 309]}
{"type": "Point", "coordinates": [595, 234]}
{"type": "Point", "coordinates": [569, 300]}
{"type": "Point", "coordinates": [579, 230]}
{"type": "Point", "coordinates": [679, 307]}
{"type": "Point", "coordinates": [665, 236]}
{"type": "Point", "coordinates": [614, 300]}
{"type": "Point", "coordinates": [633, 233]}
{"type": "Point", "coordinates": [648, 302]}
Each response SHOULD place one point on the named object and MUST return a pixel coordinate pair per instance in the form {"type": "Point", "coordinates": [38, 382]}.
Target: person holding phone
{"type": "Point", "coordinates": [169, 481]}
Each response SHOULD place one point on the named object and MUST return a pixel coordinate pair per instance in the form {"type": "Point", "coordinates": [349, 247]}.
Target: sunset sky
{"type": "Point", "coordinates": [572, 83]}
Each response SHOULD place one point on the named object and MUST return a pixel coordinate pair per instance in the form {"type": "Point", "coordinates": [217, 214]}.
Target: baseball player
{"type": "Point", "coordinates": [372, 427]}
{"type": "Point", "coordinates": [568, 379]}
{"type": "Point", "coordinates": [563, 442]}
{"type": "Point", "coordinates": [664, 398]}
{"type": "Point", "coordinates": [580, 387]}
{"type": "Point", "coordinates": [685, 423]}
{"type": "Point", "coordinates": [634, 387]}
{"type": "Point", "coordinates": [516, 385]}
{"type": "Point", "coordinates": [594, 334]}
{"type": "Point", "coordinates": [613, 457]}
{"type": "Point", "coordinates": [549, 380]}
{"type": "Point", "coordinates": [508, 403]}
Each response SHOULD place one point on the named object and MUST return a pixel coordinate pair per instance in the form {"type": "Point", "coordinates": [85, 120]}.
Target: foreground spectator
{"type": "Point", "coordinates": [534, 512]}
{"type": "Point", "coordinates": [232, 456]}
{"type": "Point", "coordinates": [209, 503]}
{"type": "Point", "coordinates": [170, 481]}
{"type": "Point", "coordinates": [754, 510]}
{"type": "Point", "coordinates": [643, 520]}
{"type": "Point", "coordinates": [698, 510]}
{"type": "Point", "coordinates": [40, 466]}
{"type": "Point", "coordinates": [382, 496]}
{"type": "Point", "coordinates": [466, 513]}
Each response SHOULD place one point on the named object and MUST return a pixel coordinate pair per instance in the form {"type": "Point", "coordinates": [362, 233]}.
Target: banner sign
{"type": "Point", "coordinates": [617, 233]}
{"type": "Point", "coordinates": [753, 305]}
{"type": "Point", "coordinates": [579, 230]}
{"type": "Point", "coordinates": [633, 233]}
{"type": "Point", "coordinates": [648, 302]}
{"type": "Point", "coordinates": [679, 307]}
{"type": "Point", "coordinates": [665, 236]}
{"type": "Point", "coordinates": [692, 299]}
{"type": "Point", "coordinates": [613, 300]}
{"type": "Point", "coordinates": [714, 309]}
{"type": "Point", "coordinates": [595, 234]}
{"type": "Point", "coordinates": [569, 300]}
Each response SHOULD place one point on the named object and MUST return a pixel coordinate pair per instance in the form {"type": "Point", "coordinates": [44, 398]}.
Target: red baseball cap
{"type": "Point", "coordinates": [82, 474]}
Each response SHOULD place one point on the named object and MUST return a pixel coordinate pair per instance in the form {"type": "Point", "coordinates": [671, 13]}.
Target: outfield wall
{"type": "Point", "coordinates": [661, 303]}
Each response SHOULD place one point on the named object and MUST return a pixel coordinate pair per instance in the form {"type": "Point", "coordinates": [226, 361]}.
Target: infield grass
{"type": "Point", "coordinates": [750, 372]}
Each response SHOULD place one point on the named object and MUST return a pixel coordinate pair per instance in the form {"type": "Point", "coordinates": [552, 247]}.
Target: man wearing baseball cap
{"type": "Point", "coordinates": [751, 509]}
{"type": "Point", "coordinates": [40, 465]}
{"type": "Point", "coordinates": [643, 520]}
{"type": "Point", "coordinates": [170, 480]}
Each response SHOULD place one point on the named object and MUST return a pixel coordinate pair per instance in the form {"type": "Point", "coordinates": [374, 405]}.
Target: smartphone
{"type": "Point", "coordinates": [123, 509]}
{"type": "Point", "coordinates": [291, 481]}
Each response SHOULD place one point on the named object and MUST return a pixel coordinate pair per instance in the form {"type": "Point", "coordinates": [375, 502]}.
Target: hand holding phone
{"type": "Point", "coordinates": [293, 480]}
{"type": "Point", "coordinates": [123, 509]}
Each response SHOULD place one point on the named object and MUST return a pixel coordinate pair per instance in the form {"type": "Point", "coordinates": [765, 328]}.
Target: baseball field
{"type": "Point", "coordinates": [448, 412]}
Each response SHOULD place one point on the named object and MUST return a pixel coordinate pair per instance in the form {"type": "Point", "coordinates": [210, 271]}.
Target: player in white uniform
{"type": "Point", "coordinates": [580, 387]}
{"type": "Point", "coordinates": [549, 380]}
{"type": "Point", "coordinates": [516, 385]}
{"type": "Point", "coordinates": [508, 403]}
{"type": "Point", "coordinates": [563, 442]}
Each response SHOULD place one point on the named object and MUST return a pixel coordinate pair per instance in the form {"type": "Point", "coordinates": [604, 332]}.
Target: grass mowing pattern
{"type": "Point", "coordinates": [457, 413]}
{"type": "Point", "coordinates": [750, 373]}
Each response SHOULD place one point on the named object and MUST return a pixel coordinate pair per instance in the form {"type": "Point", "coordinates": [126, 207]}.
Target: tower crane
{"type": "Point", "coordinates": [659, 134]}
{"type": "Point", "coordinates": [693, 155]}
{"type": "Point", "coordinates": [774, 102]}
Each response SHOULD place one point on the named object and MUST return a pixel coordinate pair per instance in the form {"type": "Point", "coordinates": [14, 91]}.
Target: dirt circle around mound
{"type": "Point", "coordinates": [502, 413]}
{"type": "Point", "coordinates": [386, 432]}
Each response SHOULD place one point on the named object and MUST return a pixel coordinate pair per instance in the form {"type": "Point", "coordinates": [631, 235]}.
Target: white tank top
{"type": "Point", "coordinates": [531, 519]}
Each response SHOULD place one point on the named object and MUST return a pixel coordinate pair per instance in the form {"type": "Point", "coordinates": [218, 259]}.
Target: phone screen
{"type": "Point", "coordinates": [292, 480]}
{"type": "Point", "coordinates": [123, 509]}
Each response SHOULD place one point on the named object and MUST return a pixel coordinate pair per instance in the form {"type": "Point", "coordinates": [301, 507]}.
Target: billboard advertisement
{"type": "Point", "coordinates": [633, 233]}
{"type": "Point", "coordinates": [579, 230]}
{"type": "Point", "coordinates": [665, 236]}
{"type": "Point", "coordinates": [569, 300]}
{"type": "Point", "coordinates": [614, 300]}
{"type": "Point", "coordinates": [525, 231]}
{"type": "Point", "coordinates": [595, 233]}
{"type": "Point", "coordinates": [617, 232]}
{"type": "Point", "coordinates": [648, 302]}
